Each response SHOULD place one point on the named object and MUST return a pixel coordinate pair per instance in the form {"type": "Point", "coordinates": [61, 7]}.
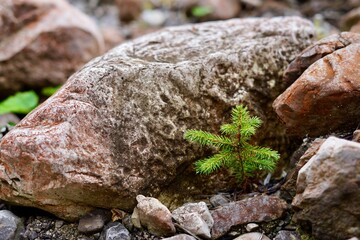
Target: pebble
{"type": "Point", "coordinates": [252, 236]}
{"type": "Point", "coordinates": [251, 227]}
{"type": "Point", "coordinates": [218, 200]}
{"type": "Point", "coordinates": [115, 231]}
{"type": "Point", "coordinates": [10, 225]}
{"type": "Point", "coordinates": [94, 221]}
{"type": "Point", "coordinates": [287, 235]}
{"type": "Point", "coordinates": [154, 18]}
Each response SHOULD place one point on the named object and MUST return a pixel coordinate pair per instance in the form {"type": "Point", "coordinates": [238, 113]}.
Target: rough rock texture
{"type": "Point", "coordinates": [218, 200]}
{"type": "Point", "coordinates": [115, 231]}
{"type": "Point", "coordinates": [10, 225]}
{"type": "Point", "coordinates": [180, 237]}
{"type": "Point", "coordinates": [115, 129]}
{"type": "Point", "coordinates": [328, 191]}
{"type": "Point", "coordinates": [252, 236]}
{"type": "Point", "coordinates": [94, 221]}
{"type": "Point", "coordinates": [325, 97]}
{"type": "Point", "coordinates": [316, 51]}
{"type": "Point", "coordinates": [194, 224]}
{"type": "Point", "coordinates": [200, 208]}
{"type": "Point", "coordinates": [43, 42]}
{"type": "Point", "coordinates": [154, 216]}
{"type": "Point", "coordinates": [287, 235]}
{"type": "Point", "coordinates": [194, 217]}
{"type": "Point", "coordinates": [288, 189]}
{"type": "Point", "coordinates": [257, 209]}
{"type": "Point", "coordinates": [356, 136]}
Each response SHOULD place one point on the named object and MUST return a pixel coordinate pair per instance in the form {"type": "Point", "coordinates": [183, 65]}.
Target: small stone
{"type": "Point", "coordinates": [128, 223]}
{"type": "Point", "coordinates": [222, 10]}
{"type": "Point", "coordinates": [180, 237]}
{"type": "Point", "coordinates": [194, 224]}
{"type": "Point", "coordinates": [356, 136]}
{"type": "Point", "coordinates": [200, 208]}
{"type": "Point", "coordinates": [10, 225]}
{"type": "Point", "coordinates": [94, 221]}
{"type": "Point", "coordinates": [155, 216]}
{"type": "Point", "coordinates": [154, 17]}
{"type": "Point", "coordinates": [253, 3]}
{"type": "Point", "coordinates": [252, 236]}
{"type": "Point", "coordinates": [218, 200]}
{"type": "Point", "coordinates": [287, 235]}
{"type": "Point", "coordinates": [135, 218]}
{"type": "Point", "coordinates": [251, 227]}
{"type": "Point", "coordinates": [7, 118]}
{"type": "Point", "coordinates": [59, 223]}
{"type": "Point", "coordinates": [256, 209]}
{"type": "Point", "coordinates": [129, 10]}
{"type": "Point", "coordinates": [115, 231]}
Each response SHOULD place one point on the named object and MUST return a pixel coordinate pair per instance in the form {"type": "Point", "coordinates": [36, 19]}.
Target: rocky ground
{"type": "Point", "coordinates": [114, 131]}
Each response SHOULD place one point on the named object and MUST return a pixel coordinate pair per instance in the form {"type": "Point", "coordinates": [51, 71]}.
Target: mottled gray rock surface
{"type": "Point", "coordinates": [115, 231]}
{"type": "Point", "coordinates": [10, 225]}
{"type": "Point", "coordinates": [115, 129]}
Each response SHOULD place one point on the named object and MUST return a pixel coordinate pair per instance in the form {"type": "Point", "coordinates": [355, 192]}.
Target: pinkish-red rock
{"type": "Point", "coordinates": [325, 97]}
{"type": "Point", "coordinates": [155, 216]}
{"type": "Point", "coordinates": [257, 209]}
{"type": "Point", "coordinates": [43, 42]}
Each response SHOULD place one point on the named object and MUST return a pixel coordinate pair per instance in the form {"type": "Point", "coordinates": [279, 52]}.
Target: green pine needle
{"type": "Point", "coordinates": [235, 153]}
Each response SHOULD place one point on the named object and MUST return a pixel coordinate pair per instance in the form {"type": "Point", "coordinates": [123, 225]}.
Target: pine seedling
{"type": "Point", "coordinates": [233, 148]}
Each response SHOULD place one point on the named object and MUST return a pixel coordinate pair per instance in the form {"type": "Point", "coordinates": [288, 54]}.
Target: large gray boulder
{"type": "Point", "coordinates": [115, 129]}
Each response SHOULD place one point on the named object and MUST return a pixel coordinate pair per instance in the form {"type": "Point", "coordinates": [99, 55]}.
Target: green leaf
{"type": "Point", "coordinates": [213, 163]}
{"type": "Point", "coordinates": [48, 91]}
{"type": "Point", "coordinates": [21, 102]}
{"type": "Point", "coordinates": [229, 129]}
{"type": "Point", "coordinates": [201, 11]}
{"type": "Point", "coordinates": [206, 138]}
{"type": "Point", "coordinates": [235, 153]}
{"type": "Point", "coordinates": [11, 124]}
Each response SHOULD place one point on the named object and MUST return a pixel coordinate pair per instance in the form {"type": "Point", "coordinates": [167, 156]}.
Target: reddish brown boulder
{"type": "Point", "coordinates": [316, 51]}
{"type": "Point", "coordinates": [325, 97]}
{"type": "Point", "coordinates": [43, 42]}
{"type": "Point", "coordinates": [115, 129]}
{"type": "Point", "coordinates": [257, 209]}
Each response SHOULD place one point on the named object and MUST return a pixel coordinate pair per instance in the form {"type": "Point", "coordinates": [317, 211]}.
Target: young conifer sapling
{"type": "Point", "coordinates": [233, 148]}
